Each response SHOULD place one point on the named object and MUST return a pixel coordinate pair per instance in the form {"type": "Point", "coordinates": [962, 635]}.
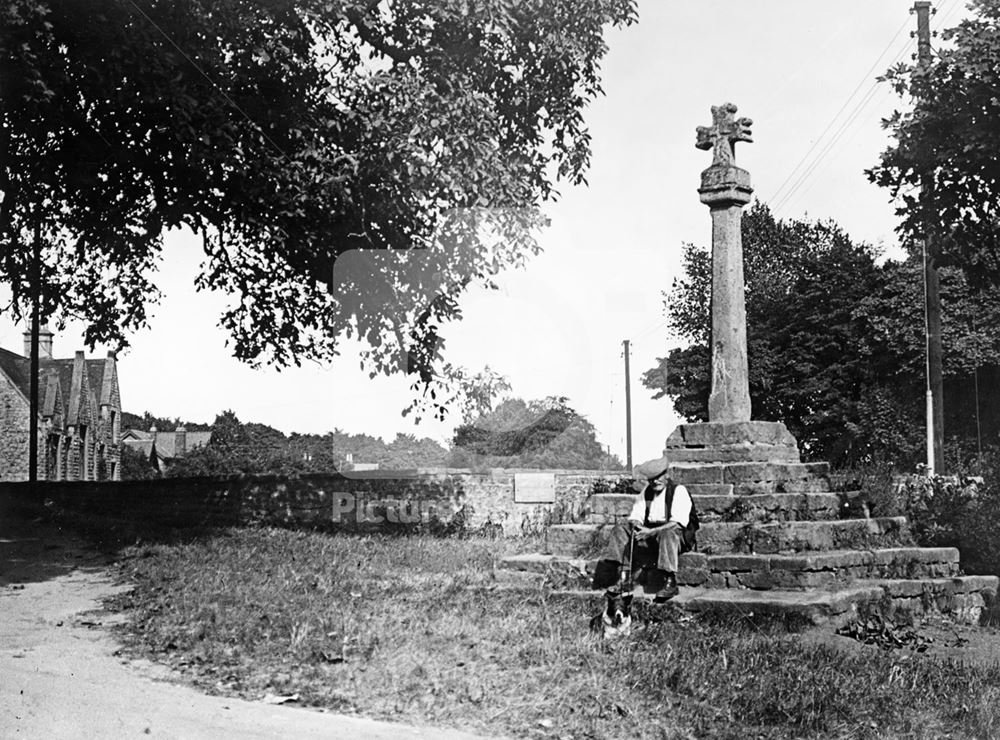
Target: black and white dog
{"type": "Point", "coordinates": [615, 620]}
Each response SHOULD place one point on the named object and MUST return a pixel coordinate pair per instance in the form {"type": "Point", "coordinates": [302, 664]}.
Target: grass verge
{"type": "Point", "coordinates": [414, 629]}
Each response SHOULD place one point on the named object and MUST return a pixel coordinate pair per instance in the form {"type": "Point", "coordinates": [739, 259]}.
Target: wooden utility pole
{"type": "Point", "coordinates": [35, 290]}
{"type": "Point", "coordinates": [628, 411]}
{"type": "Point", "coordinates": [935, 373]}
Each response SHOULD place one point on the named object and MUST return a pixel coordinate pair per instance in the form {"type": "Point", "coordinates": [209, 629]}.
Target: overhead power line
{"type": "Point", "coordinates": [792, 176]}
{"type": "Point", "coordinates": [811, 183]}
{"type": "Point", "coordinates": [831, 143]}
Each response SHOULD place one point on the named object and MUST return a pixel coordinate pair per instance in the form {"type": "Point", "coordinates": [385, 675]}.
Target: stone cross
{"type": "Point", "coordinates": [723, 134]}
{"type": "Point", "coordinates": [725, 189]}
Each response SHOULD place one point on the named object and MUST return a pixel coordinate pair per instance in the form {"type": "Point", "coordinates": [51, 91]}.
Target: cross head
{"type": "Point", "coordinates": [723, 134]}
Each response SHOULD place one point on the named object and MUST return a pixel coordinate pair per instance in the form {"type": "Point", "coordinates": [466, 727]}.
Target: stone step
{"type": "Point", "coordinates": [710, 489]}
{"type": "Point", "coordinates": [751, 536]}
{"type": "Point", "coordinates": [962, 598]}
{"type": "Point", "coordinates": [770, 507]}
{"type": "Point", "coordinates": [607, 508]}
{"type": "Point", "coordinates": [816, 569]}
{"type": "Point", "coordinates": [831, 608]}
{"type": "Point", "coordinates": [775, 537]}
{"type": "Point", "coordinates": [763, 453]}
{"type": "Point", "coordinates": [794, 572]}
{"type": "Point", "coordinates": [576, 539]}
{"type": "Point", "coordinates": [747, 472]}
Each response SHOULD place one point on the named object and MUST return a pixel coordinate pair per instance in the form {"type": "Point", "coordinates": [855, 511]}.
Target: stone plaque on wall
{"type": "Point", "coordinates": [534, 488]}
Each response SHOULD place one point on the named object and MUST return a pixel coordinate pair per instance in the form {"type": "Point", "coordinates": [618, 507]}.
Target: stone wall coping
{"type": "Point", "coordinates": [373, 475]}
{"type": "Point", "coordinates": [493, 472]}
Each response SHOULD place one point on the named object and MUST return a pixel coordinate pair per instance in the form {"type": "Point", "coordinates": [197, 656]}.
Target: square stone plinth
{"type": "Point", "coordinates": [729, 433]}
{"type": "Point", "coordinates": [743, 441]}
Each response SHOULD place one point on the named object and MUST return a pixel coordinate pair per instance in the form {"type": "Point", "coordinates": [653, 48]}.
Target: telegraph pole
{"type": "Point", "coordinates": [628, 411]}
{"type": "Point", "coordinates": [935, 374]}
{"type": "Point", "coordinates": [36, 258]}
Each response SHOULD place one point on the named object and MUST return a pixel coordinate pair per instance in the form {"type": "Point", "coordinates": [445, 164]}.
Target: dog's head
{"type": "Point", "coordinates": [617, 609]}
{"type": "Point", "coordinates": [616, 619]}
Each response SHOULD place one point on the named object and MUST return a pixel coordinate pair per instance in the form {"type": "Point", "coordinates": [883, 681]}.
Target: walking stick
{"type": "Point", "coordinates": [629, 584]}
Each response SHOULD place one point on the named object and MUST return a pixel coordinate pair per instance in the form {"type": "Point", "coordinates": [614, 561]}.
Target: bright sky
{"type": "Point", "coordinates": [803, 71]}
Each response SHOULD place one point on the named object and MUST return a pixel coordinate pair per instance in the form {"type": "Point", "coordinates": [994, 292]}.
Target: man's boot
{"type": "Point", "coordinates": [669, 589]}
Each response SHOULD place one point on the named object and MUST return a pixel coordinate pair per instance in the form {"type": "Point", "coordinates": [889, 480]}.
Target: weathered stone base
{"type": "Point", "coordinates": [771, 541]}
{"type": "Point", "coordinates": [745, 441]}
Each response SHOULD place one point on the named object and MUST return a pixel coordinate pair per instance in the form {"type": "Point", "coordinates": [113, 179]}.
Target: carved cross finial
{"type": "Point", "coordinates": [723, 134]}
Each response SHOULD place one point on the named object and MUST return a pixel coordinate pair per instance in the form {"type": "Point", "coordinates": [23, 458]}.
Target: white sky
{"type": "Point", "coordinates": [800, 70]}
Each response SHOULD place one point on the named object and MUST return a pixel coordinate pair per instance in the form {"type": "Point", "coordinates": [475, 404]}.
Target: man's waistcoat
{"type": "Point", "coordinates": [659, 507]}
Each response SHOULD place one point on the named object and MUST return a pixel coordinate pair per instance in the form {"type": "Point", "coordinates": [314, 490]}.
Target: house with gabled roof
{"type": "Point", "coordinates": [79, 415]}
{"type": "Point", "coordinates": [162, 448]}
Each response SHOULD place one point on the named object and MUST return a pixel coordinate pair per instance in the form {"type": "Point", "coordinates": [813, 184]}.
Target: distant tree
{"type": "Point", "coordinates": [948, 136]}
{"type": "Point", "coordinates": [235, 448]}
{"type": "Point", "coordinates": [344, 160]}
{"type": "Point", "coordinates": [134, 465]}
{"type": "Point", "coordinates": [407, 451]}
{"type": "Point", "coordinates": [539, 434]}
{"type": "Point", "coordinates": [312, 453]}
{"type": "Point", "coordinates": [146, 421]}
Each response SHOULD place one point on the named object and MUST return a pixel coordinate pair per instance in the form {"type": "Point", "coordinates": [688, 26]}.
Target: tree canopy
{"type": "Point", "coordinates": [250, 448]}
{"type": "Point", "coordinates": [947, 138]}
{"type": "Point", "coordinates": [835, 342]}
{"type": "Point", "coordinates": [352, 165]}
{"type": "Point", "coordinates": [537, 434]}
{"type": "Point", "coordinates": [145, 421]}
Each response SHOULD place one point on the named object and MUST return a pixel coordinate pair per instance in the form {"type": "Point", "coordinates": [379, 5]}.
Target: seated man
{"type": "Point", "coordinates": [658, 520]}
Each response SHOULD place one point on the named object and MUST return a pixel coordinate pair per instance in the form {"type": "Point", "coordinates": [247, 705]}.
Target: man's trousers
{"type": "Point", "coordinates": [666, 544]}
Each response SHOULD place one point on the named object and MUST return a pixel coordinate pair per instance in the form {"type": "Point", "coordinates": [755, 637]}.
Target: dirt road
{"type": "Point", "coordinates": [60, 678]}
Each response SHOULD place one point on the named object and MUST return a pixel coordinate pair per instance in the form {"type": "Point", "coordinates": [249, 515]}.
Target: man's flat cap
{"type": "Point", "coordinates": [652, 469]}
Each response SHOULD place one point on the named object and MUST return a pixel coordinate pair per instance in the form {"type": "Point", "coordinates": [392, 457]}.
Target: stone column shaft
{"type": "Point", "coordinates": [725, 190]}
{"type": "Point", "coordinates": [730, 396]}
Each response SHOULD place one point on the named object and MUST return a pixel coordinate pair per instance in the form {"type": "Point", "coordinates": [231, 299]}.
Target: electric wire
{"type": "Point", "coordinates": [808, 186]}
{"type": "Point", "coordinates": [843, 107]}
{"type": "Point", "coordinates": [778, 203]}
{"type": "Point", "coordinates": [832, 142]}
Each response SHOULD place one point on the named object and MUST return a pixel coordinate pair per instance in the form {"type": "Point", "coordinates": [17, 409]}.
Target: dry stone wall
{"type": "Point", "coordinates": [450, 499]}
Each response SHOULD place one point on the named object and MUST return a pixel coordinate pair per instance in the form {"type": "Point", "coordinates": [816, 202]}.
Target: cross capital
{"type": "Point", "coordinates": [723, 134]}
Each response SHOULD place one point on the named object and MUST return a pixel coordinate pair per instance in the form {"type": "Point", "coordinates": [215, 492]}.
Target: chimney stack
{"type": "Point", "coordinates": [180, 441]}
{"type": "Point", "coordinates": [44, 343]}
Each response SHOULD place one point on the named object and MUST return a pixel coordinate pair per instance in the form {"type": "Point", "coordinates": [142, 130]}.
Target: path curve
{"type": "Point", "coordinates": [60, 677]}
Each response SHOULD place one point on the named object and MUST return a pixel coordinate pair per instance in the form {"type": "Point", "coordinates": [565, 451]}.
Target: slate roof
{"type": "Point", "coordinates": [100, 380]}
{"type": "Point", "coordinates": [145, 446]}
{"type": "Point", "coordinates": [18, 369]}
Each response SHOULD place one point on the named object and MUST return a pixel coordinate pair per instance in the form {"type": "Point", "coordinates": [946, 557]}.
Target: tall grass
{"type": "Point", "coordinates": [415, 629]}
